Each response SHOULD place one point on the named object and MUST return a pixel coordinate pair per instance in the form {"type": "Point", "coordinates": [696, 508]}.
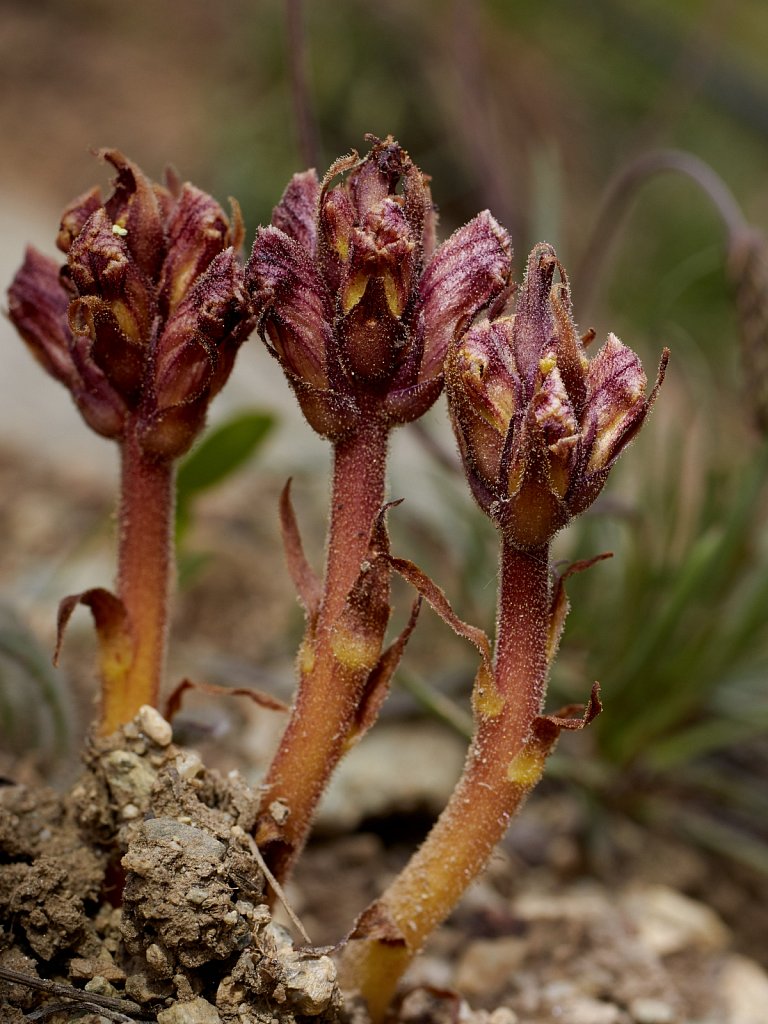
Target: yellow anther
{"type": "Point", "coordinates": [548, 363]}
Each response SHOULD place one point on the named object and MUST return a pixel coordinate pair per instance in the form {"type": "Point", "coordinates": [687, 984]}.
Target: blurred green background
{"type": "Point", "coordinates": [529, 109]}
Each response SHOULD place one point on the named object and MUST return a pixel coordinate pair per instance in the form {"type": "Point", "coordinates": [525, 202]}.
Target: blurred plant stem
{"type": "Point", "coordinates": [306, 127]}
{"type": "Point", "coordinates": [620, 193]}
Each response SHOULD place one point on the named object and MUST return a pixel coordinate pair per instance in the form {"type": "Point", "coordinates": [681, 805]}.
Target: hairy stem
{"type": "Point", "coordinates": [145, 564]}
{"type": "Point", "coordinates": [499, 772]}
{"type": "Point", "coordinates": [332, 671]}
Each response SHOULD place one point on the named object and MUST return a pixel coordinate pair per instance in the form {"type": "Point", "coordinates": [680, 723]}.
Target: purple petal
{"type": "Point", "coordinates": [122, 361]}
{"type": "Point", "coordinates": [534, 331]}
{"type": "Point", "coordinates": [616, 386]}
{"type": "Point", "coordinates": [559, 429]}
{"type": "Point", "coordinates": [198, 230]}
{"type": "Point", "coordinates": [134, 206]}
{"type": "Point", "coordinates": [378, 174]}
{"type": "Point", "coordinates": [287, 293]}
{"type": "Point", "coordinates": [464, 275]}
{"type": "Point", "coordinates": [100, 405]}
{"type": "Point", "coordinates": [37, 306]}
{"type": "Point", "coordinates": [101, 265]}
{"type": "Point", "coordinates": [210, 316]}
{"type": "Point", "coordinates": [382, 246]}
{"type": "Point", "coordinates": [75, 216]}
{"type": "Point", "coordinates": [296, 213]}
{"type": "Point", "coordinates": [483, 396]}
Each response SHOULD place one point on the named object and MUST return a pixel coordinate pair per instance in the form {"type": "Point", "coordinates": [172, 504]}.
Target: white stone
{"type": "Point", "coordinates": [651, 1011]}
{"type": "Point", "coordinates": [402, 766]}
{"type": "Point", "coordinates": [309, 983]}
{"type": "Point", "coordinates": [743, 989]}
{"type": "Point", "coordinates": [486, 965]}
{"type": "Point", "coordinates": [583, 1010]}
{"type": "Point", "coordinates": [668, 922]}
{"type": "Point", "coordinates": [154, 726]}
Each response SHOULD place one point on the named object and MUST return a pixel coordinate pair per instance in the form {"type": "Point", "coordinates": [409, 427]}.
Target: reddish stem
{"type": "Point", "coordinates": [497, 776]}
{"type": "Point", "coordinates": [330, 687]}
{"type": "Point", "coordinates": [145, 563]}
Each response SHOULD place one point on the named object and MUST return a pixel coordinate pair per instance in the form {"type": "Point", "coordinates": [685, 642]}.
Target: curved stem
{"type": "Point", "coordinates": [500, 770]}
{"type": "Point", "coordinates": [331, 678]}
{"type": "Point", "coordinates": [145, 565]}
{"type": "Point", "coordinates": [302, 106]}
{"type": "Point", "coordinates": [621, 191]}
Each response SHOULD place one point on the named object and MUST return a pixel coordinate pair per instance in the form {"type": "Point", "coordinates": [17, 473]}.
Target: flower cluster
{"type": "Point", "coordinates": [143, 321]}
{"type": "Point", "coordinates": [353, 298]}
{"type": "Point", "coordinates": [539, 425]}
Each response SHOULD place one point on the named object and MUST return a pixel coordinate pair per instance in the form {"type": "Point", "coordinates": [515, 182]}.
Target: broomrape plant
{"type": "Point", "coordinates": [369, 318]}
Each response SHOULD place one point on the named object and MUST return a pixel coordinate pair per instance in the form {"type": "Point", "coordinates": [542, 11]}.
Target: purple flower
{"type": "Point", "coordinates": [143, 321]}
{"type": "Point", "coordinates": [539, 425]}
{"type": "Point", "coordinates": [352, 298]}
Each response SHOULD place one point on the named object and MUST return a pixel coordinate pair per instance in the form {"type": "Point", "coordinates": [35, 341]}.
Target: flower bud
{"type": "Point", "coordinates": [143, 321]}
{"type": "Point", "coordinates": [539, 425]}
{"type": "Point", "coordinates": [351, 298]}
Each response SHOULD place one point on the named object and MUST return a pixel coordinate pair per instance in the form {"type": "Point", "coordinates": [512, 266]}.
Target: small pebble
{"type": "Point", "coordinates": [194, 1011]}
{"type": "Point", "coordinates": [130, 812]}
{"type": "Point", "coordinates": [154, 726]}
{"type": "Point", "coordinates": [159, 960]}
{"type": "Point", "coordinates": [651, 1011]}
{"type": "Point", "coordinates": [279, 812]}
{"type": "Point", "coordinates": [188, 765]}
{"type": "Point", "coordinates": [100, 986]}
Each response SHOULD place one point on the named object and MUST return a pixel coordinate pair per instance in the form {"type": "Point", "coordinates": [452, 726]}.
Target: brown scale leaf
{"type": "Point", "coordinates": [437, 599]}
{"type": "Point", "coordinates": [305, 580]}
{"type": "Point", "coordinates": [377, 684]}
{"type": "Point", "coordinates": [175, 699]}
{"type": "Point", "coordinates": [560, 605]}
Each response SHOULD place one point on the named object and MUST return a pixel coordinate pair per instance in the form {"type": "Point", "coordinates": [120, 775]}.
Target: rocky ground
{"type": "Point", "coordinates": [654, 933]}
{"type": "Point", "coordinates": [139, 895]}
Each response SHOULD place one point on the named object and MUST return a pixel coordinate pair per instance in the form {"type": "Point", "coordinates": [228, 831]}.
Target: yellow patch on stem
{"type": "Point", "coordinates": [306, 657]}
{"type": "Point", "coordinates": [526, 768]}
{"type": "Point", "coordinates": [354, 651]}
{"type": "Point", "coordinates": [487, 702]}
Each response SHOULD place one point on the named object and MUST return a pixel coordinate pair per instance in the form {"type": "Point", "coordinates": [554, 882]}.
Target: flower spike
{"type": "Point", "coordinates": [151, 278]}
{"type": "Point", "coordinates": [351, 298]}
{"type": "Point", "coordinates": [539, 425]}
